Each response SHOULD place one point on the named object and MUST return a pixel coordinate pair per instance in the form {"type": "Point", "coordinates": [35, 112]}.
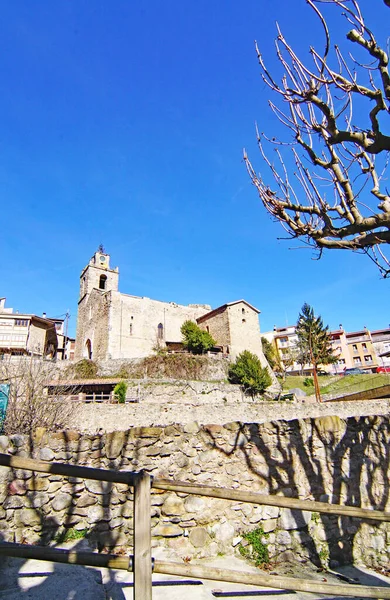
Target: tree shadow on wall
{"type": "Point", "coordinates": [325, 459]}
{"type": "Point", "coordinates": [91, 503]}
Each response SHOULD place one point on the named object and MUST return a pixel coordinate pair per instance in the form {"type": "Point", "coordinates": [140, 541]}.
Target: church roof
{"type": "Point", "coordinates": [220, 309]}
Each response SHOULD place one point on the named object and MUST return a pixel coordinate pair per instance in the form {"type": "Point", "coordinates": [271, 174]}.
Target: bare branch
{"type": "Point", "coordinates": [329, 147]}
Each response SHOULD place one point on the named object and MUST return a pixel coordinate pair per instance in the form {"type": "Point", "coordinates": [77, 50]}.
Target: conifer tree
{"type": "Point", "coordinates": [315, 342]}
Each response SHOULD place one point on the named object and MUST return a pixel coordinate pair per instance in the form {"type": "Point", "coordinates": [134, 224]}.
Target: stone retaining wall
{"type": "Point", "coordinates": [218, 405]}
{"type": "Point", "coordinates": [344, 461]}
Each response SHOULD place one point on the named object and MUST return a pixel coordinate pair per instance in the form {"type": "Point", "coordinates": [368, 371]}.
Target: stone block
{"type": "Point", "coordinates": [114, 443]}
{"type": "Point", "coordinates": [191, 427]}
{"type": "Point", "coordinates": [194, 504]}
{"type": "Point", "coordinates": [17, 440]}
{"type": "Point", "coordinates": [293, 519]}
{"type": "Point", "coordinates": [17, 488]}
{"type": "Point", "coordinates": [38, 484]}
{"type": "Point", "coordinates": [167, 530]}
{"type": "Point", "coordinates": [61, 502]}
{"type": "Point", "coordinates": [12, 502]}
{"type": "Point", "coordinates": [283, 538]}
{"type": "Point", "coordinates": [85, 500]}
{"type": "Point", "coordinates": [269, 525]}
{"type": "Point", "coordinates": [199, 537]}
{"type": "Point", "coordinates": [173, 506]}
{"type": "Point", "coordinates": [4, 443]}
{"type": "Point", "coordinates": [224, 532]}
{"type": "Point", "coordinates": [29, 516]}
{"type": "Point", "coordinates": [45, 454]}
{"type": "Point", "coordinates": [98, 487]}
{"type": "Point", "coordinates": [98, 513]}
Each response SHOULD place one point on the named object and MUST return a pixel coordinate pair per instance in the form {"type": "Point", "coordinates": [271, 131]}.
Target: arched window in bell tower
{"type": "Point", "coordinates": [160, 331]}
{"type": "Point", "coordinates": [102, 282]}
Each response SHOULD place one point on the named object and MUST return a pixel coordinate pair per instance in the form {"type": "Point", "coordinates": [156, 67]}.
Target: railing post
{"type": "Point", "coordinates": [142, 538]}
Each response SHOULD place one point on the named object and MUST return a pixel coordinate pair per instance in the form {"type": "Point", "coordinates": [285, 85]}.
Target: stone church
{"type": "Point", "coordinates": [112, 325]}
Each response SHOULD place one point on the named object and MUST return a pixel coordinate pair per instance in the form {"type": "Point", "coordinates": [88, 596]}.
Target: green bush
{"type": "Point", "coordinates": [257, 549]}
{"type": "Point", "coordinates": [308, 382]}
{"type": "Point", "coordinates": [120, 392]}
{"type": "Point", "coordinates": [195, 339]}
{"type": "Point", "coordinates": [248, 372]}
{"type": "Point", "coordinates": [85, 369]}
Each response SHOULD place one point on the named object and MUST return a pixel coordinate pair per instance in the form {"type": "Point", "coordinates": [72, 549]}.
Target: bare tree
{"type": "Point", "coordinates": [29, 405]}
{"type": "Point", "coordinates": [333, 195]}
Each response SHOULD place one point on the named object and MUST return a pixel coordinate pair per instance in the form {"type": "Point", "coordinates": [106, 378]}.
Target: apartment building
{"type": "Point", "coordinates": [363, 349]}
{"type": "Point", "coordinates": [381, 343]}
{"type": "Point", "coordinates": [22, 334]}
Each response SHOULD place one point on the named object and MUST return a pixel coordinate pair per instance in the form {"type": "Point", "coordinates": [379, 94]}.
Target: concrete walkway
{"type": "Point", "coordinates": [41, 580]}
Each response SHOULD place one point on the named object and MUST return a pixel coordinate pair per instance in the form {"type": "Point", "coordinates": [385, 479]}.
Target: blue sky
{"type": "Point", "coordinates": [123, 123]}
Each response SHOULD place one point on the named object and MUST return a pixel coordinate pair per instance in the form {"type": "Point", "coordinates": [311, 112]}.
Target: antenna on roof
{"type": "Point", "coordinates": [101, 249]}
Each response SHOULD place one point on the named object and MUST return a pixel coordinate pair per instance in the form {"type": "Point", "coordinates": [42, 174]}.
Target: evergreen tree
{"type": "Point", "coordinates": [314, 342]}
{"type": "Point", "coordinates": [248, 372]}
{"type": "Point", "coordinates": [269, 352]}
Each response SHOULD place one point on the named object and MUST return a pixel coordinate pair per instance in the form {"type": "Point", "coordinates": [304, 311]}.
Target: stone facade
{"type": "Point", "coordinates": [236, 327]}
{"type": "Point", "coordinates": [112, 325]}
{"type": "Point", "coordinates": [327, 459]}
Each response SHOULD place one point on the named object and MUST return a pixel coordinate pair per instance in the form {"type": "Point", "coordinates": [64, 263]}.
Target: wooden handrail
{"type": "Point", "coordinates": [273, 581]}
{"type": "Point", "coordinates": [55, 468]}
{"type": "Point", "coordinates": [113, 561]}
{"type": "Point", "coordinates": [269, 500]}
{"type": "Point", "coordinates": [128, 478]}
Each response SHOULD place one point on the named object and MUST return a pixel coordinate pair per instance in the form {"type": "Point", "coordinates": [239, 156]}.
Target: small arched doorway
{"type": "Point", "coordinates": [88, 350]}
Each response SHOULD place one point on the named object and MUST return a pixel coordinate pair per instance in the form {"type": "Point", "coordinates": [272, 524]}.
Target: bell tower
{"type": "Point", "coordinates": [97, 275]}
{"type": "Point", "coordinates": [97, 281]}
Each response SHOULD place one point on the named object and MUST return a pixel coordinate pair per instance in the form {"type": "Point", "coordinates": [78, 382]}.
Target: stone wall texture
{"type": "Point", "coordinates": [327, 459]}
{"type": "Point", "coordinates": [166, 404]}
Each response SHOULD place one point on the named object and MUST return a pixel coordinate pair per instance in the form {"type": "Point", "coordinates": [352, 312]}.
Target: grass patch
{"type": "Point", "coordinates": [71, 534]}
{"type": "Point", "coordinates": [256, 550]}
{"type": "Point", "coordinates": [338, 383]}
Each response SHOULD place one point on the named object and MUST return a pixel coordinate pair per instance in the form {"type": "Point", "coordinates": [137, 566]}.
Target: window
{"type": "Point", "coordinates": [244, 321]}
{"type": "Point", "coordinates": [341, 361]}
{"type": "Point", "coordinates": [354, 348]}
{"type": "Point", "coordinates": [131, 328]}
{"type": "Point", "coordinates": [368, 358]}
{"type": "Point", "coordinates": [160, 331]}
{"type": "Point", "coordinates": [243, 311]}
{"type": "Point", "coordinates": [357, 360]}
{"type": "Point", "coordinates": [102, 282]}
{"type": "Point", "coordinates": [364, 346]}
{"type": "Point", "coordinates": [21, 322]}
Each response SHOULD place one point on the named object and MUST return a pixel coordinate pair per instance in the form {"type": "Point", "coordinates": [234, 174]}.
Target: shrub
{"type": "Point", "coordinates": [308, 382]}
{"type": "Point", "coordinates": [196, 340]}
{"type": "Point", "coordinates": [85, 369]}
{"type": "Point", "coordinates": [248, 372]}
{"type": "Point", "coordinates": [120, 392]}
{"type": "Point", "coordinates": [257, 549]}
